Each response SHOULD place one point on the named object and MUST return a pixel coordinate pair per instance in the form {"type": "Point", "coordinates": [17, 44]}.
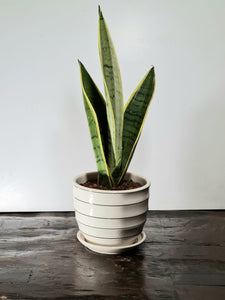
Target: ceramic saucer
{"type": "Point", "coordinates": [110, 249]}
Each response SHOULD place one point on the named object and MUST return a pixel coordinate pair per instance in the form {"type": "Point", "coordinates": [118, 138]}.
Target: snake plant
{"type": "Point", "coordinates": [114, 128]}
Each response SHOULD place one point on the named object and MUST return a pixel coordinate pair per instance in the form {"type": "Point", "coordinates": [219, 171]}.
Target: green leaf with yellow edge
{"type": "Point", "coordinates": [97, 120]}
{"type": "Point", "coordinates": [113, 88]}
{"type": "Point", "coordinates": [135, 113]}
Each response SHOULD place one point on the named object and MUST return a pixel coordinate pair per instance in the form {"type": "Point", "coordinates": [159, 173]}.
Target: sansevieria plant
{"type": "Point", "coordinates": [114, 128]}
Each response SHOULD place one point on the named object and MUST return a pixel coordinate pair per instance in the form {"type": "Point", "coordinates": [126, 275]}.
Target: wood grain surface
{"type": "Point", "coordinates": [183, 257]}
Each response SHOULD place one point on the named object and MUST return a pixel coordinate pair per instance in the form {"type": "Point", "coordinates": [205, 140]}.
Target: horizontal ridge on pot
{"type": "Point", "coordinates": [114, 212]}
{"type": "Point", "coordinates": [110, 222]}
{"type": "Point", "coordinates": [110, 233]}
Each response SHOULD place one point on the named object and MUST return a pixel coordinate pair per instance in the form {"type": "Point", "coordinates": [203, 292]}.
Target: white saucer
{"type": "Point", "coordinates": [110, 249]}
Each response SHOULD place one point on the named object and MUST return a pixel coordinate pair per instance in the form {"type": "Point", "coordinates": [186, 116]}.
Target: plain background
{"type": "Point", "coordinates": [43, 129]}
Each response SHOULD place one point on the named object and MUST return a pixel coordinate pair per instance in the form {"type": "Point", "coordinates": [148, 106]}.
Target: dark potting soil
{"type": "Point", "coordinates": [126, 185]}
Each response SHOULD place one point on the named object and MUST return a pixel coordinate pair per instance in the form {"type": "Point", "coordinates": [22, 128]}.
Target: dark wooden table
{"type": "Point", "coordinates": [183, 257]}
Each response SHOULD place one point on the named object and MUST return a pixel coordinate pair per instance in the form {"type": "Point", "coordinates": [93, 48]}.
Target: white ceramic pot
{"type": "Point", "coordinates": [110, 217]}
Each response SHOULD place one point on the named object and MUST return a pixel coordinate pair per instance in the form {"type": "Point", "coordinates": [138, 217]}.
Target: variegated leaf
{"type": "Point", "coordinates": [97, 120]}
{"type": "Point", "coordinates": [113, 88]}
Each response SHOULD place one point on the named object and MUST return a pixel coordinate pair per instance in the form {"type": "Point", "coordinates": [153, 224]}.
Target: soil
{"type": "Point", "coordinates": [126, 185]}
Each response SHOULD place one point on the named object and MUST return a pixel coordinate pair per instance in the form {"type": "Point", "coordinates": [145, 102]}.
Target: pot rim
{"type": "Point", "coordinates": [77, 185]}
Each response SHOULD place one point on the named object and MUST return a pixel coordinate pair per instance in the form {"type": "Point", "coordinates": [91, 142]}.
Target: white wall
{"type": "Point", "coordinates": [43, 129]}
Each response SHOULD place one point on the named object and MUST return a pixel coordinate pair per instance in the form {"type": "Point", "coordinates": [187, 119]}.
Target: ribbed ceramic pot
{"type": "Point", "coordinates": [110, 217]}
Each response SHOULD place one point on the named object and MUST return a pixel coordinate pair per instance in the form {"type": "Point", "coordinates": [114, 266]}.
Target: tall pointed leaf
{"type": "Point", "coordinates": [97, 120]}
{"type": "Point", "coordinates": [134, 116]}
{"type": "Point", "coordinates": [113, 87]}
